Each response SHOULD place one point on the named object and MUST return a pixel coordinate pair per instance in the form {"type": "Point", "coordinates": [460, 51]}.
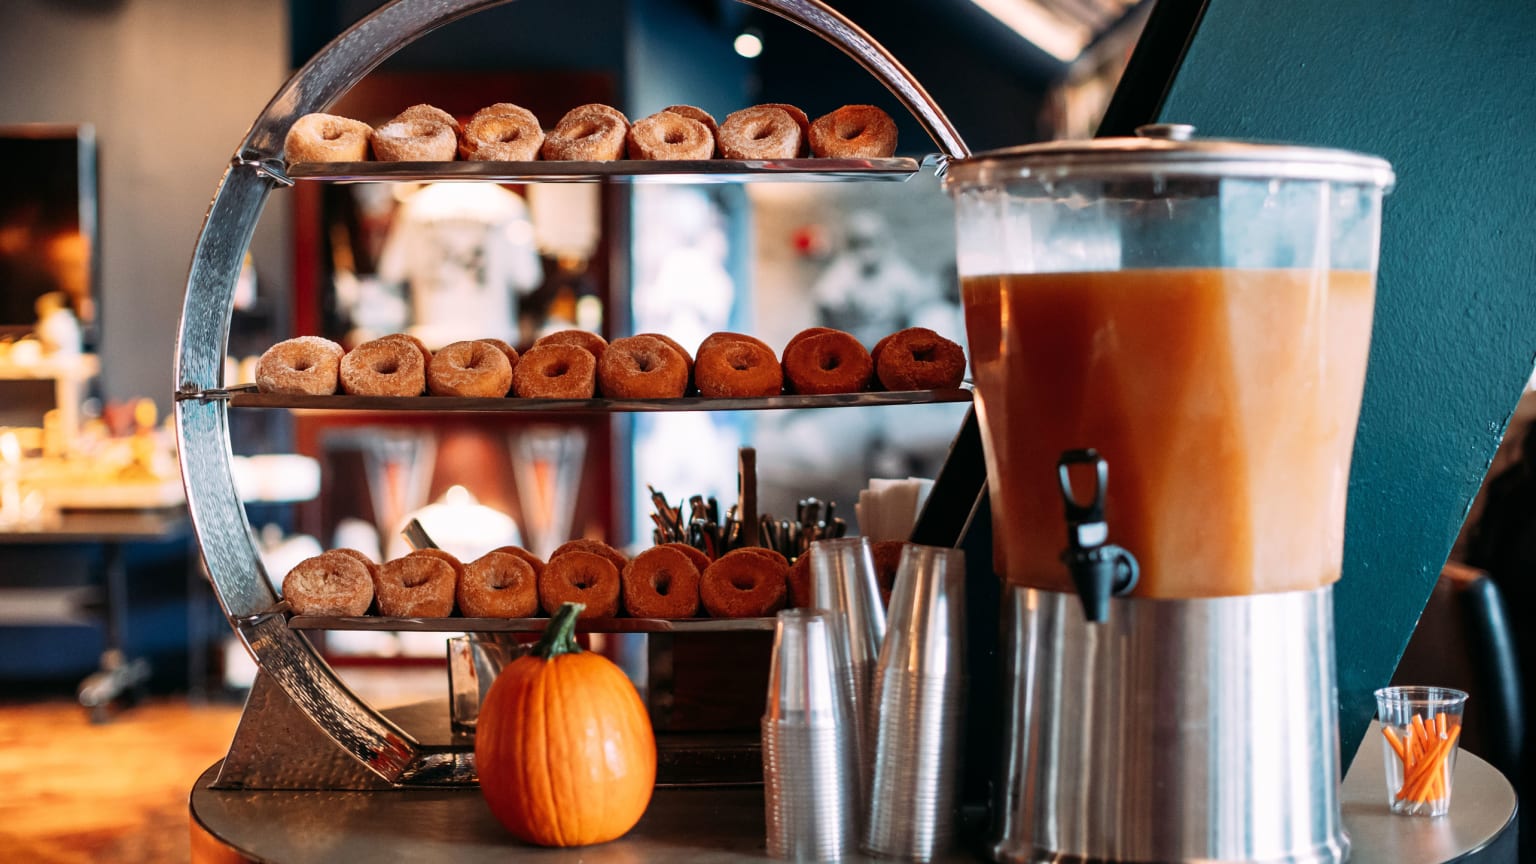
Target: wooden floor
{"type": "Point", "coordinates": [76, 793]}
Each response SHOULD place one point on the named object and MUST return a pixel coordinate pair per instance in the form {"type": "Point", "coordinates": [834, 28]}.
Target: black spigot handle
{"type": "Point", "coordinates": [1099, 569]}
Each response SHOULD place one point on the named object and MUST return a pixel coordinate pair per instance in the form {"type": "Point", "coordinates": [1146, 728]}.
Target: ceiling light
{"type": "Point", "coordinates": [749, 44]}
{"type": "Point", "coordinates": [1060, 38]}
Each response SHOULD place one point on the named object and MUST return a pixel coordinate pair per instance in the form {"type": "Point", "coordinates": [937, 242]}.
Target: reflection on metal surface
{"type": "Point", "coordinates": [1176, 730]}
{"type": "Point", "coordinates": [619, 171]}
{"type": "Point", "coordinates": [527, 625]}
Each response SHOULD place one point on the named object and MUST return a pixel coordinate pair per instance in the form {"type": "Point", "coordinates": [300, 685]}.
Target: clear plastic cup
{"type": "Point", "coordinates": [1421, 732]}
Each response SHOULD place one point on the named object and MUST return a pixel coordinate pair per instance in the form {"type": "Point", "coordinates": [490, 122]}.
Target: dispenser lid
{"type": "Point", "coordinates": [1167, 150]}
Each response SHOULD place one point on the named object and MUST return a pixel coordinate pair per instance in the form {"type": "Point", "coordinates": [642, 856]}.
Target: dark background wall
{"type": "Point", "coordinates": [1443, 91]}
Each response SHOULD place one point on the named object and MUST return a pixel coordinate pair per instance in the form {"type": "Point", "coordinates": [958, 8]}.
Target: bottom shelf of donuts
{"type": "Point", "coordinates": [526, 625]}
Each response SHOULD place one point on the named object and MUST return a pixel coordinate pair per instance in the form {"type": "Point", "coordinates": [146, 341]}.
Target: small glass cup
{"type": "Point", "coordinates": [1421, 728]}
{"type": "Point", "coordinates": [474, 661]}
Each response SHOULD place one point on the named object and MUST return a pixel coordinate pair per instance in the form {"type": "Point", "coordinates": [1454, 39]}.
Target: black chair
{"type": "Point", "coordinates": [1464, 640]}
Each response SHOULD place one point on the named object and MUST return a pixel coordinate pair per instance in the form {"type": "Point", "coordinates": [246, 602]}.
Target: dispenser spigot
{"type": "Point", "coordinates": [1099, 569]}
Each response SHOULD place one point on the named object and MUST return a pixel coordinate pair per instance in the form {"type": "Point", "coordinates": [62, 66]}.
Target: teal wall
{"type": "Point", "coordinates": [1445, 90]}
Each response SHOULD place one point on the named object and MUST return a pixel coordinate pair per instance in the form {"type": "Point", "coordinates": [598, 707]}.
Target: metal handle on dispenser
{"type": "Point", "coordinates": [1099, 568]}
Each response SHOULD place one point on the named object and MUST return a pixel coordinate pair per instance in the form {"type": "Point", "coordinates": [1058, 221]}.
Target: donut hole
{"type": "Point", "coordinates": [743, 581]}
{"type": "Point", "coordinates": [302, 365]}
{"type": "Point", "coordinates": [331, 133]}
{"type": "Point", "coordinates": [585, 129]}
{"type": "Point", "coordinates": [416, 577]}
{"type": "Point", "coordinates": [386, 366]}
{"type": "Point", "coordinates": [645, 362]}
{"type": "Point", "coordinates": [661, 580]}
{"type": "Point", "coordinates": [583, 581]}
{"type": "Point", "coordinates": [830, 362]}
{"type": "Point", "coordinates": [556, 369]}
{"type": "Point", "coordinates": [674, 136]}
{"type": "Point", "coordinates": [510, 136]}
{"type": "Point", "coordinates": [848, 133]}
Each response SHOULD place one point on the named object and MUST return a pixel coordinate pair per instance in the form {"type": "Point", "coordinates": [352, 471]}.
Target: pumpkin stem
{"type": "Point", "coordinates": [560, 635]}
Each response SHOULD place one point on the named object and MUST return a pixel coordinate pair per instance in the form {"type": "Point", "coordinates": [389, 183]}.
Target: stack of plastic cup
{"type": "Point", "coordinates": [810, 758]}
{"type": "Point", "coordinates": [843, 583]}
{"type": "Point", "coordinates": [918, 703]}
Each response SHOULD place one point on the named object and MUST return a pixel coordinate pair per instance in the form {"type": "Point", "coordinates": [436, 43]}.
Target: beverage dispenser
{"type": "Point", "coordinates": [1169, 337]}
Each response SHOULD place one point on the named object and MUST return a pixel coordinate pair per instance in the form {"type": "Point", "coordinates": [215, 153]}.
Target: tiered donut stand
{"type": "Point", "coordinates": [303, 728]}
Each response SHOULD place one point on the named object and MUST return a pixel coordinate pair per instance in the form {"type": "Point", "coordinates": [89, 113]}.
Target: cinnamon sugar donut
{"type": "Point", "coordinates": [304, 365]}
{"type": "Point", "coordinates": [507, 351]}
{"type": "Point", "coordinates": [498, 585]}
{"type": "Point", "coordinates": [697, 556]}
{"type": "Point", "coordinates": [675, 346]}
{"type": "Point", "coordinates": [596, 547]}
{"type": "Point", "coordinates": [919, 359]}
{"type": "Point", "coordinates": [417, 586]}
{"type": "Point", "coordinates": [384, 367]}
{"type": "Point", "coordinates": [887, 558]}
{"type": "Point", "coordinates": [594, 343]}
{"type": "Point", "coordinates": [800, 119]}
{"type": "Point", "coordinates": [714, 339]}
{"type": "Point", "coordinates": [580, 577]}
{"type": "Point", "coordinates": [533, 560]}
{"type": "Point", "coordinates": [415, 141]}
{"type": "Point", "coordinates": [642, 367]}
{"type": "Point", "coordinates": [854, 132]}
{"type": "Point", "coordinates": [737, 369]}
{"type": "Point", "coordinates": [429, 113]}
{"type": "Point", "coordinates": [760, 132]}
{"type": "Point", "coordinates": [666, 135]}
{"type": "Point", "coordinates": [661, 583]}
{"type": "Point", "coordinates": [327, 138]}
{"type": "Point", "coordinates": [555, 372]}
{"type": "Point", "coordinates": [588, 133]}
{"type": "Point", "coordinates": [502, 133]}
{"type": "Point", "coordinates": [833, 362]}
{"type": "Point", "coordinates": [702, 116]}
{"type": "Point", "coordinates": [475, 368]}
{"type": "Point", "coordinates": [330, 584]}
{"type": "Point", "coordinates": [741, 584]}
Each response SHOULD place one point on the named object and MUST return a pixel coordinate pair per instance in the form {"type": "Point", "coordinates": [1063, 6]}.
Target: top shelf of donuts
{"type": "Point", "coordinates": [505, 143]}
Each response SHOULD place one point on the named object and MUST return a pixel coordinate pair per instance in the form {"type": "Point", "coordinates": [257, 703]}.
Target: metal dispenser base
{"type": "Point", "coordinates": [1177, 730]}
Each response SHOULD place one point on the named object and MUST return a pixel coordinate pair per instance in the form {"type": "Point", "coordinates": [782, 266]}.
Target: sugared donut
{"type": "Point", "coordinates": [594, 343]}
{"type": "Point", "coordinates": [854, 132]}
{"type": "Point", "coordinates": [580, 577]}
{"type": "Point", "coordinates": [475, 368]}
{"type": "Point", "coordinates": [887, 558]}
{"type": "Point", "coordinates": [502, 133]}
{"type": "Point", "coordinates": [696, 555]}
{"type": "Point", "coordinates": [666, 135]}
{"type": "Point", "coordinates": [738, 369]}
{"type": "Point", "coordinates": [800, 119]}
{"type": "Point", "coordinates": [723, 336]}
{"type": "Point", "coordinates": [741, 584]}
{"type": "Point", "coordinates": [302, 365]}
{"type": "Point", "coordinates": [832, 362]}
{"type": "Point", "coordinates": [919, 359]}
{"type": "Point", "coordinates": [330, 584]}
{"type": "Point", "coordinates": [642, 367]}
{"type": "Point", "coordinates": [588, 133]}
{"type": "Point", "coordinates": [414, 342]}
{"type": "Point", "coordinates": [389, 366]}
{"type": "Point", "coordinates": [327, 138]}
{"type": "Point", "coordinates": [596, 547]}
{"type": "Point", "coordinates": [420, 585]}
{"type": "Point", "coordinates": [430, 113]}
{"type": "Point", "coordinates": [661, 583]}
{"type": "Point", "coordinates": [555, 372]}
{"type": "Point", "coordinates": [702, 116]}
{"type": "Point", "coordinates": [415, 141]}
{"type": "Point", "coordinates": [498, 585]}
{"type": "Point", "coordinates": [507, 351]}
{"type": "Point", "coordinates": [675, 346]}
{"type": "Point", "coordinates": [760, 132]}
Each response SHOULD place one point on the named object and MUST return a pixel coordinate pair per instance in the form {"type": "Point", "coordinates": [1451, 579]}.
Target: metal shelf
{"type": "Point", "coordinates": [618, 171]}
{"type": "Point", "coordinates": [528, 625]}
{"type": "Point", "coordinates": [247, 398]}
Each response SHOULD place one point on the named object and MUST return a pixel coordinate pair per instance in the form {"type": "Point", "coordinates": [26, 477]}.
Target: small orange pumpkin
{"type": "Point", "coordinates": [564, 746]}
